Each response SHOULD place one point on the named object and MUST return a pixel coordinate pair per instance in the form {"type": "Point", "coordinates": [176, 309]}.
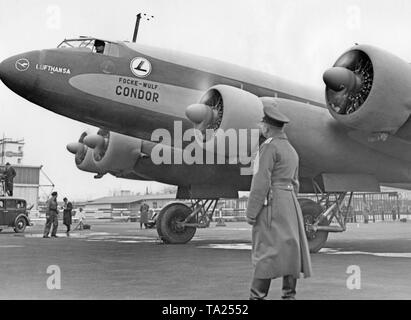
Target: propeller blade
{"type": "Point", "coordinates": [93, 141]}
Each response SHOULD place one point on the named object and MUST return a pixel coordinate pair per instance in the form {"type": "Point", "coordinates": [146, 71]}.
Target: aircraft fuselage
{"type": "Point", "coordinates": [135, 89]}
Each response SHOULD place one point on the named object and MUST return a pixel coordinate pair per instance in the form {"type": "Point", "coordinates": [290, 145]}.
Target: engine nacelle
{"type": "Point", "coordinates": [369, 89]}
{"type": "Point", "coordinates": [116, 153]}
{"type": "Point", "coordinates": [223, 109]}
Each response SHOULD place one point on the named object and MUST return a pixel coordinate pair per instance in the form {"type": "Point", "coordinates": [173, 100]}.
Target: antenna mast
{"type": "Point", "coordinates": [139, 16]}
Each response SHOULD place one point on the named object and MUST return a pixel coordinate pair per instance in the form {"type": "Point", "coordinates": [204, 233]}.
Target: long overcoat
{"type": "Point", "coordinates": [144, 213]}
{"type": "Point", "coordinates": [279, 243]}
{"type": "Point", "coordinates": [67, 214]}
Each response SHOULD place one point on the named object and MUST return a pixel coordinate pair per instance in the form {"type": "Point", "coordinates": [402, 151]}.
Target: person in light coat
{"type": "Point", "coordinates": [279, 244]}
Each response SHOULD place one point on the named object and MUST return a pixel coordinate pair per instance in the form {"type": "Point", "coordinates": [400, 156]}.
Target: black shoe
{"type": "Point", "coordinates": [46, 237]}
{"type": "Point", "coordinates": [54, 236]}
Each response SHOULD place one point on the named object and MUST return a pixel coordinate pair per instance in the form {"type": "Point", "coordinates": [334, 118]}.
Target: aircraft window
{"type": "Point", "coordinates": [79, 43]}
{"type": "Point", "coordinates": [94, 45]}
{"type": "Point", "coordinates": [111, 49]}
{"type": "Point", "coordinates": [106, 48]}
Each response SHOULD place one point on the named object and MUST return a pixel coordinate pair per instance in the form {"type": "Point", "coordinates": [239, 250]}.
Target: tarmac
{"type": "Point", "coordinates": [116, 260]}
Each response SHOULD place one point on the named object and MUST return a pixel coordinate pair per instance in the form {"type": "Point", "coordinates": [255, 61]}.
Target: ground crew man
{"type": "Point", "coordinates": [144, 215]}
{"type": "Point", "coordinates": [279, 243]}
{"type": "Point", "coordinates": [51, 216]}
{"type": "Point", "coordinates": [9, 175]}
{"type": "Point", "coordinates": [67, 209]}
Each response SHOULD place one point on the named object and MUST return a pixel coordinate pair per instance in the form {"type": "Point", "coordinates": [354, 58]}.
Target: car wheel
{"type": "Point", "coordinates": [20, 225]}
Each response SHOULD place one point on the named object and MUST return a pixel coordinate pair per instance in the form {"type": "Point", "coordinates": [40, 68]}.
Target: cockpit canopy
{"type": "Point", "coordinates": [93, 45]}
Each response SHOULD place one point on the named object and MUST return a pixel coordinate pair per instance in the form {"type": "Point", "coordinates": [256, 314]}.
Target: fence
{"type": "Point", "coordinates": [385, 206]}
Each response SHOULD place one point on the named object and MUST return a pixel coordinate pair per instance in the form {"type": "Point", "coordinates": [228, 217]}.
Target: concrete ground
{"type": "Point", "coordinates": [120, 261]}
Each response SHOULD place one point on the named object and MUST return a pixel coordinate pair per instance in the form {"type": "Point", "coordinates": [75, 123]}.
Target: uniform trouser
{"type": "Point", "coordinates": [9, 188]}
{"type": "Point", "coordinates": [260, 287]}
{"type": "Point", "coordinates": [51, 220]}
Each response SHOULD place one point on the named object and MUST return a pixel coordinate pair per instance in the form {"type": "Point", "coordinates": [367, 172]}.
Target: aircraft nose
{"type": "Point", "coordinates": [18, 72]}
{"type": "Point", "coordinates": [3, 69]}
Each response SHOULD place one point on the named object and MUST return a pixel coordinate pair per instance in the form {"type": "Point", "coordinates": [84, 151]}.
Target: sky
{"type": "Point", "coordinates": [297, 40]}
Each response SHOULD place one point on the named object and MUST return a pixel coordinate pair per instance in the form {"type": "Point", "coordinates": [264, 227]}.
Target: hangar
{"type": "Point", "coordinates": [107, 207]}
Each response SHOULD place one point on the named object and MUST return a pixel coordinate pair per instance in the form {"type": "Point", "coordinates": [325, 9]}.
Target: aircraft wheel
{"type": "Point", "coordinates": [168, 229]}
{"type": "Point", "coordinates": [20, 225]}
{"type": "Point", "coordinates": [310, 211]}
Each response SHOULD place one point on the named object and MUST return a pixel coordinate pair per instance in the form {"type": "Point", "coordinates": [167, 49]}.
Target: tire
{"type": "Point", "coordinates": [20, 225]}
{"type": "Point", "coordinates": [167, 229]}
{"type": "Point", "coordinates": [311, 210]}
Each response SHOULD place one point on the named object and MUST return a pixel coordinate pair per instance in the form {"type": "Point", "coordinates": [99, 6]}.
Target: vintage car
{"type": "Point", "coordinates": [14, 214]}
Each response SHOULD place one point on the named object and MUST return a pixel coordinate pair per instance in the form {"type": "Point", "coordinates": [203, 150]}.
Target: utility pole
{"type": "Point", "coordinates": [139, 16]}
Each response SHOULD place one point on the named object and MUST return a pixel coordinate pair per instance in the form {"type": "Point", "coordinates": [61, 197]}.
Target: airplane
{"type": "Point", "coordinates": [354, 136]}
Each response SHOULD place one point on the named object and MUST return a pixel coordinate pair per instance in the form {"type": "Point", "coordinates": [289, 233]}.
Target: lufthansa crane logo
{"type": "Point", "coordinates": [140, 67]}
{"type": "Point", "coordinates": [22, 64]}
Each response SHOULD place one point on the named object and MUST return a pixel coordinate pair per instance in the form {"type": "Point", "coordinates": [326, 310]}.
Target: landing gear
{"type": "Point", "coordinates": [177, 222]}
{"type": "Point", "coordinates": [319, 215]}
{"type": "Point", "coordinates": [311, 210]}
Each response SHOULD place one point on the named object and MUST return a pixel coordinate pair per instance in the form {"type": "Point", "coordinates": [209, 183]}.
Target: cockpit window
{"type": "Point", "coordinates": [77, 43]}
{"type": "Point", "coordinates": [94, 45]}
{"type": "Point", "coordinates": [111, 49]}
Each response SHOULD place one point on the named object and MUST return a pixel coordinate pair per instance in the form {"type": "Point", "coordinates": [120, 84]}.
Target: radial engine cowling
{"type": "Point", "coordinates": [114, 152]}
{"type": "Point", "coordinates": [223, 108]}
{"type": "Point", "coordinates": [370, 90]}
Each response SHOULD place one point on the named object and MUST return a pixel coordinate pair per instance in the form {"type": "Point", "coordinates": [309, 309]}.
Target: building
{"type": "Point", "coordinates": [107, 206]}
{"type": "Point", "coordinates": [11, 151]}
{"type": "Point", "coordinates": [27, 180]}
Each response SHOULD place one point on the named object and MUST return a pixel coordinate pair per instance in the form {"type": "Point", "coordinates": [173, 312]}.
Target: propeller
{"type": "Point", "coordinates": [339, 78]}
{"type": "Point", "coordinates": [201, 113]}
{"type": "Point", "coordinates": [349, 82]}
{"type": "Point", "coordinates": [208, 113]}
{"type": "Point", "coordinates": [75, 147]}
{"type": "Point", "coordinates": [79, 149]}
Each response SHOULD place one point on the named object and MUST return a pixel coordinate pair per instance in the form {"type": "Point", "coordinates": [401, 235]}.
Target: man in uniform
{"type": "Point", "coordinates": [279, 243]}
{"type": "Point", "coordinates": [51, 215]}
{"type": "Point", "coordinates": [9, 175]}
